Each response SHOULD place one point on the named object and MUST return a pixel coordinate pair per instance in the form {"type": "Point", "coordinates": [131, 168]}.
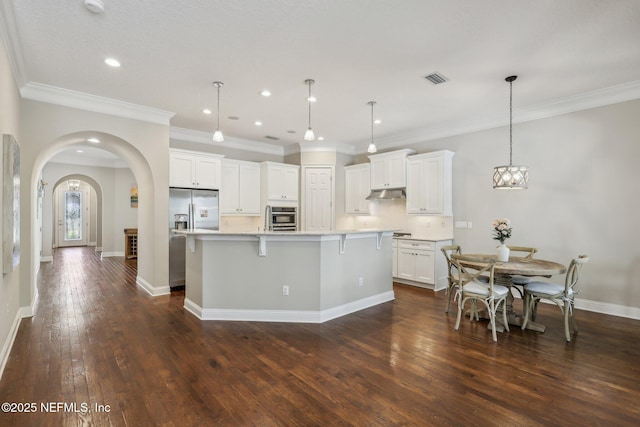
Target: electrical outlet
{"type": "Point", "coordinates": [360, 281]}
{"type": "Point", "coordinates": [285, 290]}
{"type": "Point", "coordinates": [469, 224]}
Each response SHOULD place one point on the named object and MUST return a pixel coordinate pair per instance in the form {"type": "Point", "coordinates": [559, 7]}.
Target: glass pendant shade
{"type": "Point", "coordinates": [372, 148]}
{"type": "Point", "coordinates": [217, 136]}
{"type": "Point", "coordinates": [309, 135]}
{"type": "Point", "coordinates": [510, 177]}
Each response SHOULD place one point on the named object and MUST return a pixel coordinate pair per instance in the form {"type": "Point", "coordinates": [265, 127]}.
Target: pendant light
{"type": "Point", "coordinates": [510, 177]}
{"type": "Point", "coordinates": [309, 135]}
{"type": "Point", "coordinates": [372, 146]}
{"type": "Point", "coordinates": [217, 135]}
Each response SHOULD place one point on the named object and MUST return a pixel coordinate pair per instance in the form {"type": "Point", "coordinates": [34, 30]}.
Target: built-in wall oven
{"type": "Point", "coordinates": [284, 218]}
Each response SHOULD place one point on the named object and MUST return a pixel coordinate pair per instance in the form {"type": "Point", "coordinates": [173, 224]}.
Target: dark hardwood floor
{"type": "Point", "coordinates": [98, 340]}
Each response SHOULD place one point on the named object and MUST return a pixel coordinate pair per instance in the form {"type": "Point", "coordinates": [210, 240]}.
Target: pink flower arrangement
{"type": "Point", "coordinates": [501, 229]}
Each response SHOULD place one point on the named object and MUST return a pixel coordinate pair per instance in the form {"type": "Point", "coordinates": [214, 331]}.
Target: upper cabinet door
{"type": "Point", "coordinates": [279, 182]}
{"type": "Point", "coordinates": [389, 170]}
{"type": "Point", "coordinates": [181, 171]}
{"type": "Point", "coordinates": [194, 170]}
{"type": "Point", "coordinates": [207, 172]}
{"type": "Point", "coordinates": [229, 187]}
{"type": "Point", "coordinates": [249, 189]}
{"type": "Point", "coordinates": [357, 187]}
{"type": "Point", "coordinates": [429, 183]}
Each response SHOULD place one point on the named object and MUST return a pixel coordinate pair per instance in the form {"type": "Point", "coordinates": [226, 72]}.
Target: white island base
{"type": "Point", "coordinates": [286, 277]}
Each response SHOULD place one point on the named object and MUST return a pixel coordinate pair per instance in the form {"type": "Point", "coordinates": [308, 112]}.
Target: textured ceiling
{"type": "Point", "coordinates": [356, 50]}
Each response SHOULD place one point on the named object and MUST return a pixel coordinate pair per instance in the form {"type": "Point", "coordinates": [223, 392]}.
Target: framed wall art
{"type": "Point", "coordinates": [10, 203]}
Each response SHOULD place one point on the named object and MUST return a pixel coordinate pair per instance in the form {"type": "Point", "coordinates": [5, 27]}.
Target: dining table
{"type": "Point", "coordinates": [503, 274]}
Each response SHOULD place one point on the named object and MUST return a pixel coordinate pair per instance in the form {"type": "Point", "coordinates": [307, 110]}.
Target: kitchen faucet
{"type": "Point", "coordinates": [268, 221]}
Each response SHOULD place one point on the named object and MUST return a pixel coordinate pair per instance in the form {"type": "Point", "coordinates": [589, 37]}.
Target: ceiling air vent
{"type": "Point", "coordinates": [274, 138]}
{"type": "Point", "coordinates": [436, 78]}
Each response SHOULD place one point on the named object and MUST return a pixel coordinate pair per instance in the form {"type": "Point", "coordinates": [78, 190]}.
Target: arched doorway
{"type": "Point", "coordinates": [152, 278]}
{"type": "Point", "coordinates": [53, 227]}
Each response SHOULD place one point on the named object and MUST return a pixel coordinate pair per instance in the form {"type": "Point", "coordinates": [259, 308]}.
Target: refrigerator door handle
{"type": "Point", "coordinates": [192, 216]}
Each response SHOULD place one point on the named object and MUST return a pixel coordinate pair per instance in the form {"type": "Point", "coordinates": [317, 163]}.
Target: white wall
{"type": "Point", "coordinates": [10, 287]}
{"type": "Point", "coordinates": [582, 196]}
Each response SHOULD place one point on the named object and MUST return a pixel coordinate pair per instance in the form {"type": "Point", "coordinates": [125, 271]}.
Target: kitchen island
{"type": "Point", "coordinates": [306, 277]}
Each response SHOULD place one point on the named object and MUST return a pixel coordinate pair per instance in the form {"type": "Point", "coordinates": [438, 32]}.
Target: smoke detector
{"type": "Point", "coordinates": [94, 6]}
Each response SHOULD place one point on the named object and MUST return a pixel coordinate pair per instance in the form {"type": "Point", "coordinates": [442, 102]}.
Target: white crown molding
{"type": "Point", "coordinates": [313, 147]}
{"type": "Point", "coordinates": [9, 34]}
{"type": "Point", "coordinates": [189, 135]}
{"type": "Point", "coordinates": [598, 98]}
{"type": "Point", "coordinates": [98, 104]}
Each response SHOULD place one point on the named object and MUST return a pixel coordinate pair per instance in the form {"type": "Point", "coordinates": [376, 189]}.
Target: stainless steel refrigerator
{"type": "Point", "coordinates": [200, 209]}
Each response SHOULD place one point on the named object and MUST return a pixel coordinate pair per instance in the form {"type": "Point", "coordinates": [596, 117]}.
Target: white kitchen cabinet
{"type": "Point", "coordinates": [190, 169]}
{"type": "Point", "coordinates": [279, 182]}
{"type": "Point", "coordinates": [240, 188]}
{"type": "Point", "coordinates": [388, 170]}
{"type": "Point", "coordinates": [429, 183]}
{"type": "Point", "coordinates": [394, 257]}
{"type": "Point", "coordinates": [420, 263]}
{"type": "Point", "coordinates": [357, 183]}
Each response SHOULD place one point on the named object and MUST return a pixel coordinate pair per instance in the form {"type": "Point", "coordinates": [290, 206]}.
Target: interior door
{"type": "Point", "coordinates": [318, 199]}
{"type": "Point", "coordinates": [73, 216]}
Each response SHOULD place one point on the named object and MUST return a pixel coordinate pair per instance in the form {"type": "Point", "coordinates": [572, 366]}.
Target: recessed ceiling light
{"type": "Point", "coordinates": [257, 123]}
{"type": "Point", "coordinates": [93, 140]}
{"type": "Point", "coordinates": [265, 93]}
{"type": "Point", "coordinates": [206, 111]}
{"type": "Point", "coordinates": [79, 151]}
{"type": "Point", "coordinates": [377, 121]}
{"type": "Point", "coordinates": [321, 138]}
{"type": "Point", "coordinates": [112, 62]}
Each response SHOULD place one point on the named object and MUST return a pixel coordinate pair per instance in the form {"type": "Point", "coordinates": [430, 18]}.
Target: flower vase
{"type": "Point", "coordinates": [503, 253]}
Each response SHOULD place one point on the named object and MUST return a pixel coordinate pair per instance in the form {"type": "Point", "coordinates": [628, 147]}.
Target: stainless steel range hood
{"type": "Point", "coordinates": [387, 194]}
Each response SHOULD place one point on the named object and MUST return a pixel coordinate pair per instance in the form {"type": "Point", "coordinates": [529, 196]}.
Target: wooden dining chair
{"type": "Point", "coordinates": [471, 287]}
{"type": "Point", "coordinates": [520, 281]}
{"type": "Point", "coordinates": [453, 275]}
{"type": "Point", "coordinates": [452, 271]}
{"type": "Point", "coordinates": [562, 295]}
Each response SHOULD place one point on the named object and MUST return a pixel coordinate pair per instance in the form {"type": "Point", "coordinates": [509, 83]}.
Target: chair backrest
{"type": "Point", "coordinates": [529, 251]}
{"type": "Point", "coordinates": [447, 251]}
{"type": "Point", "coordinates": [573, 272]}
{"type": "Point", "coordinates": [474, 271]}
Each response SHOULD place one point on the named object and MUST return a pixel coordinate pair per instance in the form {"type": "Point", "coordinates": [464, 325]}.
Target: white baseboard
{"type": "Point", "coordinates": [152, 290]}
{"type": "Point", "coordinates": [92, 244]}
{"type": "Point", "coordinates": [48, 258]}
{"type": "Point", "coordinates": [112, 254]}
{"type": "Point", "coordinates": [8, 344]}
{"type": "Point", "coordinates": [600, 307]}
{"type": "Point", "coordinates": [13, 331]}
{"type": "Point", "coordinates": [292, 316]}
{"type": "Point", "coordinates": [608, 308]}
{"type": "Point", "coordinates": [98, 249]}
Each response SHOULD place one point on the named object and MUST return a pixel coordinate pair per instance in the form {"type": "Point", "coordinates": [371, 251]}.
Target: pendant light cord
{"type": "Point", "coordinates": [218, 127]}
{"type": "Point", "coordinates": [511, 123]}
{"type": "Point", "coordinates": [309, 102]}
{"type": "Point", "coordinates": [372, 103]}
